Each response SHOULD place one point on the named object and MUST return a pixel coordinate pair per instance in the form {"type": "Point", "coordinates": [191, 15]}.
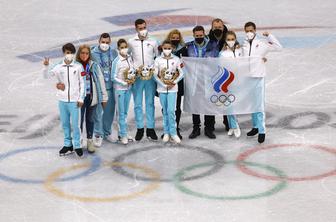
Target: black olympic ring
{"type": "Point", "coordinates": [218, 159]}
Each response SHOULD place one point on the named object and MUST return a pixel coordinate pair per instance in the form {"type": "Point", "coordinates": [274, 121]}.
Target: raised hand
{"type": "Point", "coordinates": [266, 34]}
{"type": "Point", "coordinates": [46, 61]}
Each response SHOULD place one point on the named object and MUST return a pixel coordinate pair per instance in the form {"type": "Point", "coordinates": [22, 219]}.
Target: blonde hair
{"type": "Point", "coordinates": [174, 32]}
{"type": "Point", "coordinates": [81, 47]}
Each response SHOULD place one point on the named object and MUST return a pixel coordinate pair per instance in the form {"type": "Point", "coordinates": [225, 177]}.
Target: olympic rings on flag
{"type": "Point", "coordinates": [155, 177]}
{"type": "Point", "coordinates": [221, 100]}
{"type": "Point", "coordinates": [95, 164]}
{"type": "Point", "coordinates": [275, 189]}
{"type": "Point", "coordinates": [243, 157]}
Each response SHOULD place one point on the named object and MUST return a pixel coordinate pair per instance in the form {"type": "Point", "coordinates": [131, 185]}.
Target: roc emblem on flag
{"type": "Point", "coordinates": [221, 82]}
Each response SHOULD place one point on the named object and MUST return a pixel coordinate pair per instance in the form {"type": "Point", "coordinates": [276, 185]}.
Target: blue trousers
{"type": "Point", "coordinates": [258, 118]}
{"type": "Point", "coordinates": [149, 86]}
{"type": "Point", "coordinates": [123, 98]}
{"type": "Point", "coordinates": [69, 114]}
{"type": "Point", "coordinates": [87, 113]}
{"type": "Point", "coordinates": [168, 103]}
{"type": "Point", "coordinates": [232, 119]}
{"type": "Point", "coordinates": [258, 121]}
{"type": "Point", "coordinates": [104, 117]}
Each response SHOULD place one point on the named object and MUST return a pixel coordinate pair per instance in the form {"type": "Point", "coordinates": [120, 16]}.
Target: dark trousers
{"type": "Point", "coordinates": [178, 110]}
{"type": "Point", "coordinates": [88, 112]}
{"type": "Point", "coordinates": [226, 123]}
{"type": "Point", "coordinates": [209, 122]}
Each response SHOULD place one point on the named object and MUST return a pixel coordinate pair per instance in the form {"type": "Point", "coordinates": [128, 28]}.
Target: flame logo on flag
{"type": "Point", "coordinates": [222, 79]}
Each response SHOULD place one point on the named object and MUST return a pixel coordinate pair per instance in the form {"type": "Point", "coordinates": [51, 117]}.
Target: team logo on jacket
{"type": "Point", "coordinates": [221, 82]}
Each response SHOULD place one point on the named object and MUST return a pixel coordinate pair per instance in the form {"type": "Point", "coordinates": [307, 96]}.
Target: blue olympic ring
{"type": "Point", "coordinates": [95, 164]}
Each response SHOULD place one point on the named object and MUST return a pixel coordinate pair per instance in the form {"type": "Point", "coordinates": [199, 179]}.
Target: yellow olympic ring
{"type": "Point", "coordinates": [48, 184]}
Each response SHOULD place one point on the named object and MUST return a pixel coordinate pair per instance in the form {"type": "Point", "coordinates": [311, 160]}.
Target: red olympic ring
{"type": "Point", "coordinates": [244, 168]}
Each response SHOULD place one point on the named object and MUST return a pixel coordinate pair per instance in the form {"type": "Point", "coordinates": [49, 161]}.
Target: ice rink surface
{"type": "Point", "coordinates": [290, 178]}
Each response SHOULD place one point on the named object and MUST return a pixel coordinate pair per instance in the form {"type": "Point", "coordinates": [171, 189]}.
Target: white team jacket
{"type": "Point", "coordinates": [119, 65]}
{"type": "Point", "coordinates": [70, 76]}
{"type": "Point", "coordinates": [259, 48]}
{"type": "Point", "coordinates": [172, 64]}
{"type": "Point", "coordinates": [144, 51]}
{"type": "Point", "coordinates": [228, 53]}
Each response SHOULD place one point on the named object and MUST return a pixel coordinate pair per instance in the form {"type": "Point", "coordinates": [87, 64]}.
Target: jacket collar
{"type": "Point", "coordinates": [71, 64]}
{"type": "Point", "coordinates": [96, 49]}
{"type": "Point", "coordinates": [122, 58]}
{"type": "Point", "coordinates": [206, 41]}
{"type": "Point", "coordinates": [138, 39]}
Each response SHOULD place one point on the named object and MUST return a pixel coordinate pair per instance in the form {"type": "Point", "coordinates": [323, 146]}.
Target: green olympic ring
{"type": "Point", "coordinates": [278, 187]}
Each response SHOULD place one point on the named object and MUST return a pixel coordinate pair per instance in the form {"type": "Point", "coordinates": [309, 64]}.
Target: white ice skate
{"type": "Point", "coordinates": [230, 133]}
{"type": "Point", "coordinates": [165, 138]}
{"type": "Point", "coordinates": [90, 146]}
{"type": "Point", "coordinates": [237, 132]}
{"type": "Point", "coordinates": [110, 139]}
{"type": "Point", "coordinates": [97, 141]}
{"type": "Point", "coordinates": [124, 140]}
{"type": "Point", "coordinates": [176, 139]}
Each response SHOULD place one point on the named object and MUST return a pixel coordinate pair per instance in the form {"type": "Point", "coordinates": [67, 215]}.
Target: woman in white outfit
{"type": "Point", "coordinates": [232, 49]}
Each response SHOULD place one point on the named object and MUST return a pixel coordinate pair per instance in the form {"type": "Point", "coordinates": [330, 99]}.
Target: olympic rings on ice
{"type": "Point", "coordinates": [152, 178]}
{"type": "Point", "coordinates": [49, 183]}
{"type": "Point", "coordinates": [95, 163]}
{"type": "Point", "coordinates": [275, 189]}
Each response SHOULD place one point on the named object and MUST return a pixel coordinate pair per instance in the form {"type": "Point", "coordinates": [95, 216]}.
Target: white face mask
{"type": "Point", "coordinates": [250, 35]}
{"type": "Point", "coordinates": [104, 46]}
{"type": "Point", "coordinates": [231, 43]}
{"type": "Point", "coordinates": [143, 33]}
{"type": "Point", "coordinates": [69, 57]}
{"type": "Point", "coordinates": [123, 51]}
{"type": "Point", "coordinates": [167, 52]}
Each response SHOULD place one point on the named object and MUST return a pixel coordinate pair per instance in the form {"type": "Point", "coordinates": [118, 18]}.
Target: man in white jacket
{"type": "Point", "coordinates": [70, 96]}
{"type": "Point", "coordinates": [259, 47]}
{"type": "Point", "coordinates": [143, 50]}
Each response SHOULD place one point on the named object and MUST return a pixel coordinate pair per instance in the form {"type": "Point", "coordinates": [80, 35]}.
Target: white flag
{"type": "Point", "coordinates": [215, 86]}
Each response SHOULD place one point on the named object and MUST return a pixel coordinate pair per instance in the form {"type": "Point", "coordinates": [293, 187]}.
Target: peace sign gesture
{"type": "Point", "coordinates": [46, 61]}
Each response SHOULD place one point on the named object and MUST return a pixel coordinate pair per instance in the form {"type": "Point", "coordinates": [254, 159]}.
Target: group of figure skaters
{"type": "Point", "coordinates": [99, 80]}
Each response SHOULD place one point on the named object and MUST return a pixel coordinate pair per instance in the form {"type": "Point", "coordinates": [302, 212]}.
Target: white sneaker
{"type": "Point", "coordinates": [97, 141]}
{"type": "Point", "coordinates": [237, 132]}
{"type": "Point", "coordinates": [90, 146]}
{"type": "Point", "coordinates": [230, 133]}
{"type": "Point", "coordinates": [130, 139]}
{"type": "Point", "coordinates": [176, 139]}
{"type": "Point", "coordinates": [124, 140]}
{"type": "Point", "coordinates": [110, 139]}
{"type": "Point", "coordinates": [165, 138]}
